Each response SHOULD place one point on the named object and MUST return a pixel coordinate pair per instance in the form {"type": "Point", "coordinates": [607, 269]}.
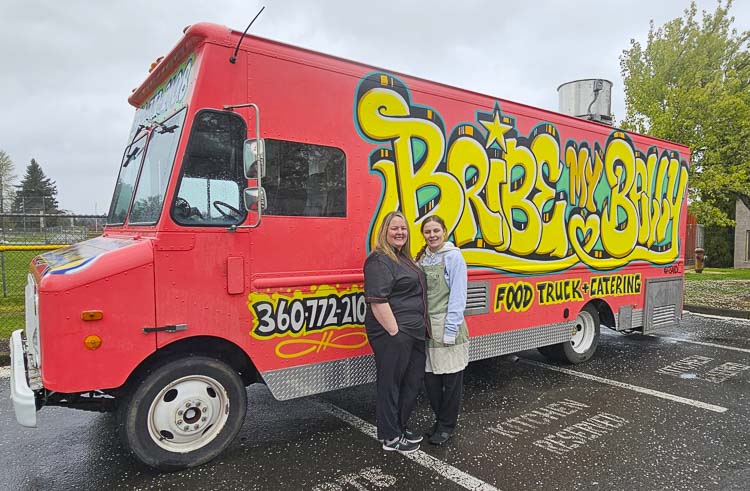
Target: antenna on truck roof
{"type": "Point", "coordinates": [233, 58]}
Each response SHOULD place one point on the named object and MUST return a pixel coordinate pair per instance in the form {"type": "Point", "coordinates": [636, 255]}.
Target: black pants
{"type": "Point", "coordinates": [400, 362]}
{"type": "Point", "coordinates": [444, 392]}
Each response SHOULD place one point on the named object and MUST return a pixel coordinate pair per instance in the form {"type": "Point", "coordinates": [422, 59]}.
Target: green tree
{"type": "Point", "coordinates": [36, 193]}
{"type": "Point", "coordinates": [690, 84]}
{"type": "Point", "coordinates": [7, 178]}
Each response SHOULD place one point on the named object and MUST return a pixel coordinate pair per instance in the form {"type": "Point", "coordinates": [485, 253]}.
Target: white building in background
{"type": "Point", "coordinates": [742, 237]}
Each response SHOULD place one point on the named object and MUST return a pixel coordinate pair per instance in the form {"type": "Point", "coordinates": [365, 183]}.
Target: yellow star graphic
{"type": "Point", "coordinates": [497, 128]}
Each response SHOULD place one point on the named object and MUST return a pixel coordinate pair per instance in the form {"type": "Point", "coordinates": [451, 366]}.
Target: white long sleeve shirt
{"type": "Point", "coordinates": [456, 277]}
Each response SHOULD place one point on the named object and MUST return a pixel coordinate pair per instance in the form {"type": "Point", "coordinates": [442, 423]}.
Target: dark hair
{"type": "Point", "coordinates": [431, 218]}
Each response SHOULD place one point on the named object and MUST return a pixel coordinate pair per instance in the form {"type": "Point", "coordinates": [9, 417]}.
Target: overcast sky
{"type": "Point", "coordinates": [68, 66]}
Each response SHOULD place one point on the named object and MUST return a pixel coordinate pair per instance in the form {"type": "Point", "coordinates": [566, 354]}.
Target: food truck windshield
{"type": "Point", "coordinates": [144, 172]}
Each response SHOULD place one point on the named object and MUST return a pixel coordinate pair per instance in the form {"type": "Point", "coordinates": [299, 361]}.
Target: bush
{"type": "Point", "coordinates": [719, 246]}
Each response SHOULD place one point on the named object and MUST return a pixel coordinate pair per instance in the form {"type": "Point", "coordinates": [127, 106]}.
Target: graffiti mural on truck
{"type": "Point", "coordinates": [521, 203]}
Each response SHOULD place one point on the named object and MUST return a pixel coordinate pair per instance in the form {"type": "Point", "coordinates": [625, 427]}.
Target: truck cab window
{"type": "Point", "coordinates": [304, 180]}
{"type": "Point", "coordinates": [210, 189]}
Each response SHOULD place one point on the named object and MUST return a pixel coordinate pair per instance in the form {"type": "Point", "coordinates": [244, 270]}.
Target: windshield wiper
{"type": "Point", "coordinates": [164, 128]}
{"type": "Point", "coordinates": [130, 156]}
{"type": "Point", "coordinates": [137, 132]}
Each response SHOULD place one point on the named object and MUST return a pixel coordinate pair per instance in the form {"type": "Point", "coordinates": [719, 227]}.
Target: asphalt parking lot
{"type": "Point", "coordinates": [647, 412]}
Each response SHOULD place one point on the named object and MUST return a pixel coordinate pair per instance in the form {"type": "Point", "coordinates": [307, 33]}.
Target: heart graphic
{"type": "Point", "coordinates": [588, 227]}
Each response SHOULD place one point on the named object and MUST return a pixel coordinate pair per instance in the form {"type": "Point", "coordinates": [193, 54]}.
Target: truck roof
{"type": "Point", "coordinates": [205, 32]}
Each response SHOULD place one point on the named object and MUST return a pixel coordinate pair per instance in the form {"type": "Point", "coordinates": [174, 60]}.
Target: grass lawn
{"type": "Point", "coordinates": [12, 317]}
{"type": "Point", "coordinates": [12, 285]}
{"type": "Point", "coordinates": [711, 274]}
{"type": "Point", "coordinates": [721, 288]}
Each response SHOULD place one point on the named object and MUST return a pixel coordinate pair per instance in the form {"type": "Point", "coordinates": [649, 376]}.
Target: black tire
{"type": "Point", "coordinates": [183, 413]}
{"type": "Point", "coordinates": [583, 343]}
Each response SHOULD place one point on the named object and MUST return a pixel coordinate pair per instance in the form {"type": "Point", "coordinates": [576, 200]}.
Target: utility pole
{"type": "Point", "coordinates": [2, 209]}
{"type": "Point", "coordinates": [2, 253]}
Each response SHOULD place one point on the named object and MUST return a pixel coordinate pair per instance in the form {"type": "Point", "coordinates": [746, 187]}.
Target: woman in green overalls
{"type": "Point", "coordinates": [448, 345]}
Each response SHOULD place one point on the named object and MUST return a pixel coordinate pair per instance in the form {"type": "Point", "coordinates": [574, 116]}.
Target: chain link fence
{"type": "Point", "coordinates": [48, 228]}
{"type": "Point", "coordinates": [24, 236]}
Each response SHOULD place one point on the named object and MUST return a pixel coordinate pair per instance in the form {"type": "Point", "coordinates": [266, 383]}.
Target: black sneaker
{"type": "Point", "coordinates": [400, 445]}
{"type": "Point", "coordinates": [439, 437]}
{"type": "Point", "coordinates": [412, 437]}
{"type": "Point", "coordinates": [432, 430]}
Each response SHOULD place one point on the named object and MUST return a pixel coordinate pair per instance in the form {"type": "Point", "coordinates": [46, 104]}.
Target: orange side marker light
{"type": "Point", "coordinates": [92, 315]}
{"type": "Point", "coordinates": [92, 342]}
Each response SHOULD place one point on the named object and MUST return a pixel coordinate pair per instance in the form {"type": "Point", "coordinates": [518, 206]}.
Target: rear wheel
{"type": "Point", "coordinates": [583, 342]}
{"type": "Point", "coordinates": [184, 413]}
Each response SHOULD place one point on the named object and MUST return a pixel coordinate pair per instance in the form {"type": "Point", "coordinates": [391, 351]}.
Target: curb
{"type": "Point", "coordinates": [739, 314]}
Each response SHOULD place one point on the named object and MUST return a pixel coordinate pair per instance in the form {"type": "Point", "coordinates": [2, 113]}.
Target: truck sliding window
{"type": "Point", "coordinates": [304, 180]}
{"type": "Point", "coordinates": [210, 189]}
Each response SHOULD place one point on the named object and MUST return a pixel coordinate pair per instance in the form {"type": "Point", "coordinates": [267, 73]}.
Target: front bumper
{"type": "Point", "coordinates": [24, 401]}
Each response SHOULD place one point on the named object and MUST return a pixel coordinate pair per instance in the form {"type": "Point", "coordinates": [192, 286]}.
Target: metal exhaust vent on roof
{"type": "Point", "coordinates": [590, 99]}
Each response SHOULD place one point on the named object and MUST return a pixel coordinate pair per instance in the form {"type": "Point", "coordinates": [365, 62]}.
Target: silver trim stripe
{"type": "Point", "coordinates": [503, 343]}
{"type": "Point", "coordinates": [290, 383]}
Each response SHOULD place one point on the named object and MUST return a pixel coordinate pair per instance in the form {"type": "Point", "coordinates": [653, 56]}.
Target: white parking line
{"type": "Point", "coordinates": [458, 476]}
{"type": "Point", "coordinates": [720, 317]}
{"type": "Point", "coordinates": [635, 388]}
{"type": "Point", "coordinates": [4, 372]}
{"type": "Point", "coordinates": [713, 345]}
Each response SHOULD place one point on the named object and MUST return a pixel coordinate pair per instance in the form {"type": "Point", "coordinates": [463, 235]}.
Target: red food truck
{"type": "Point", "coordinates": [251, 187]}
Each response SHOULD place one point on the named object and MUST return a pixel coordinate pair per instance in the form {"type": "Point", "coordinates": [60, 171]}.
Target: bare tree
{"type": "Point", "coordinates": [7, 181]}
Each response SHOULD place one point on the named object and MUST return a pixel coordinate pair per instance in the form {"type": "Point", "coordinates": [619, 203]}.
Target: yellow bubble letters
{"type": "Point", "coordinates": [518, 203]}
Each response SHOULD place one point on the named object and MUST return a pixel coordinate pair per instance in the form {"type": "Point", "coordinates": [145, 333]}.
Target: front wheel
{"type": "Point", "coordinates": [583, 342]}
{"type": "Point", "coordinates": [184, 413]}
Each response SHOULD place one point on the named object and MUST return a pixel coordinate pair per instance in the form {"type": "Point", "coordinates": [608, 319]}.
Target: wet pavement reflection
{"type": "Point", "coordinates": [524, 425]}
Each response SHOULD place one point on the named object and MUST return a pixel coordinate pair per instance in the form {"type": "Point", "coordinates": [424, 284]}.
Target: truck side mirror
{"type": "Point", "coordinates": [254, 158]}
{"type": "Point", "coordinates": [252, 197]}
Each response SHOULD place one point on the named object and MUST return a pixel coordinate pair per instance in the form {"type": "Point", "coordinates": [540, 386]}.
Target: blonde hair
{"type": "Point", "coordinates": [431, 218]}
{"type": "Point", "coordinates": [381, 241]}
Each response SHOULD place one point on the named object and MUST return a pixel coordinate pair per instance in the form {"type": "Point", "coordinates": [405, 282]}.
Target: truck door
{"type": "Point", "coordinates": [201, 264]}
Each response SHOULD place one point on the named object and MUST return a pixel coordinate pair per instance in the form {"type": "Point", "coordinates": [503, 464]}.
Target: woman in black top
{"type": "Point", "coordinates": [396, 324]}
